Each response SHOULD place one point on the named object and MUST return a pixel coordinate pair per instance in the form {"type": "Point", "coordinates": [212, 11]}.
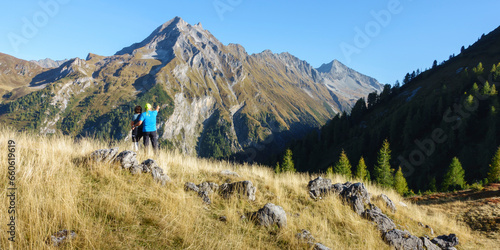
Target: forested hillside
{"type": "Point", "coordinates": [450, 110]}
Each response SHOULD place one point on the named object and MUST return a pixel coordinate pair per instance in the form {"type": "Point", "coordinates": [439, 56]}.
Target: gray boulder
{"type": "Point", "coordinates": [428, 244]}
{"type": "Point", "coordinates": [204, 190]}
{"type": "Point", "coordinates": [104, 155]}
{"type": "Point", "coordinates": [356, 195]}
{"type": "Point", "coordinates": [127, 159]}
{"type": "Point", "coordinates": [319, 187]}
{"type": "Point", "coordinates": [228, 172]}
{"type": "Point", "coordinates": [245, 188]}
{"type": "Point", "coordinates": [402, 240]}
{"type": "Point", "coordinates": [159, 176]}
{"type": "Point", "coordinates": [148, 165]}
{"type": "Point", "coordinates": [319, 246]}
{"type": "Point", "coordinates": [270, 215]}
{"type": "Point", "coordinates": [383, 222]}
{"type": "Point", "coordinates": [61, 237]}
{"type": "Point", "coordinates": [388, 202]}
{"type": "Point", "coordinates": [305, 235]}
{"type": "Point", "coordinates": [446, 241]}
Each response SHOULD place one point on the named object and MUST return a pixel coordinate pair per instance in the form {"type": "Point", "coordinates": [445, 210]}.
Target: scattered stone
{"type": "Point", "coordinates": [319, 187]}
{"type": "Point", "coordinates": [383, 222]}
{"type": "Point", "coordinates": [148, 165]}
{"type": "Point", "coordinates": [356, 195]}
{"type": "Point", "coordinates": [223, 218]}
{"type": "Point", "coordinates": [428, 244]}
{"type": "Point", "coordinates": [136, 169]}
{"type": "Point", "coordinates": [306, 236]}
{"type": "Point", "coordinates": [243, 217]}
{"type": "Point", "coordinates": [430, 228]}
{"type": "Point", "coordinates": [319, 246]}
{"type": "Point", "coordinates": [189, 186]}
{"type": "Point", "coordinates": [159, 176]}
{"type": "Point", "coordinates": [203, 190]}
{"type": "Point", "coordinates": [446, 241]}
{"type": "Point", "coordinates": [402, 240]}
{"type": "Point", "coordinates": [127, 159]}
{"type": "Point", "coordinates": [420, 224]}
{"type": "Point", "coordinates": [228, 172]}
{"type": "Point", "coordinates": [245, 188]}
{"type": "Point", "coordinates": [402, 204]}
{"type": "Point", "coordinates": [209, 187]}
{"type": "Point", "coordinates": [104, 155]}
{"type": "Point", "coordinates": [388, 202]}
{"type": "Point", "coordinates": [269, 215]}
{"type": "Point", "coordinates": [61, 237]}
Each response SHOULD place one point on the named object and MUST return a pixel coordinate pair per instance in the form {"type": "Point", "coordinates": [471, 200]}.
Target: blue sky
{"type": "Point", "coordinates": [383, 39]}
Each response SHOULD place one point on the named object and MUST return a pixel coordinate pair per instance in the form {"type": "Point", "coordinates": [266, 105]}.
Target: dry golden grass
{"type": "Point", "coordinates": [111, 209]}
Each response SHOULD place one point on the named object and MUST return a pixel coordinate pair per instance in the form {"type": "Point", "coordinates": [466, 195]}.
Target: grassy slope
{"type": "Point", "coordinates": [111, 209]}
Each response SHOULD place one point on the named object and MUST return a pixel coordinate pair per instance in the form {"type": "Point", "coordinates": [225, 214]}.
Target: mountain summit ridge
{"type": "Point", "coordinates": [210, 90]}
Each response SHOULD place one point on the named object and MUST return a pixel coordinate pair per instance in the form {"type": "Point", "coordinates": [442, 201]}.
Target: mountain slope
{"type": "Point", "coordinates": [216, 99]}
{"type": "Point", "coordinates": [109, 208]}
{"type": "Point", "coordinates": [437, 115]}
{"type": "Point", "coordinates": [15, 76]}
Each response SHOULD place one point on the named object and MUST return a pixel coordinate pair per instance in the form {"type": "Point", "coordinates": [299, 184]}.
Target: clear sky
{"type": "Point", "coordinates": [384, 39]}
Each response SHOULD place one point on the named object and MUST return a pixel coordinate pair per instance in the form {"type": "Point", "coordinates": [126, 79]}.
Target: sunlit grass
{"type": "Point", "coordinates": [111, 209]}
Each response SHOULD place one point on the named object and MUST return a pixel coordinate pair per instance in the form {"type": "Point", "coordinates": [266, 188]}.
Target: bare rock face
{"type": "Point", "coordinates": [383, 222]}
{"type": "Point", "coordinates": [388, 202]}
{"type": "Point", "coordinates": [244, 188]}
{"type": "Point", "coordinates": [446, 241]}
{"type": "Point", "coordinates": [104, 155]}
{"type": "Point", "coordinates": [270, 215]}
{"type": "Point", "coordinates": [403, 240]}
{"type": "Point", "coordinates": [61, 237]}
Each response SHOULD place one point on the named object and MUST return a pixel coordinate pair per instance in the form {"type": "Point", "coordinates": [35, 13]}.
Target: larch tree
{"type": "Point", "coordinates": [343, 166]}
{"type": "Point", "coordinates": [494, 170]}
{"type": "Point", "coordinates": [382, 171]}
{"type": "Point", "coordinates": [455, 176]}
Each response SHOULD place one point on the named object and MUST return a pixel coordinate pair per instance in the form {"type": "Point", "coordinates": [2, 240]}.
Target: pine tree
{"type": "Point", "coordinates": [494, 171]}
{"type": "Point", "coordinates": [478, 70]}
{"type": "Point", "coordinates": [493, 90]}
{"type": "Point", "coordinates": [475, 89]}
{"type": "Point", "coordinates": [277, 168]}
{"type": "Point", "coordinates": [454, 177]}
{"type": "Point", "coordinates": [288, 165]}
{"type": "Point", "coordinates": [400, 184]}
{"type": "Point", "coordinates": [343, 166]}
{"type": "Point", "coordinates": [383, 172]}
{"type": "Point", "coordinates": [486, 89]}
{"type": "Point", "coordinates": [362, 171]}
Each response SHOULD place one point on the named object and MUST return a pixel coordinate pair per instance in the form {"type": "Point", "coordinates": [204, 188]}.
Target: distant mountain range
{"type": "Point", "coordinates": [216, 99]}
{"type": "Point", "coordinates": [49, 63]}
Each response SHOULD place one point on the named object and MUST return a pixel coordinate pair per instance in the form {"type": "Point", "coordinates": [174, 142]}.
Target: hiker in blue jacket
{"type": "Point", "coordinates": [148, 118]}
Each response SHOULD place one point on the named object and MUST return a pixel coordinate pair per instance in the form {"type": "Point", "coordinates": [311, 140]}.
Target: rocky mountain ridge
{"type": "Point", "coordinates": [211, 93]}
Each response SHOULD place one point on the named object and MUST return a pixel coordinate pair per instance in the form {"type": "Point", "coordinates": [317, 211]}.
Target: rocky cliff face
{"type": "Point", "coordinates": [201, 85]}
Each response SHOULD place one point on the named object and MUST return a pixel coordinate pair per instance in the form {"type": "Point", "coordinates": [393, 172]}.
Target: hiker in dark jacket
{"type": "Point", "coordinates": [136, 131]}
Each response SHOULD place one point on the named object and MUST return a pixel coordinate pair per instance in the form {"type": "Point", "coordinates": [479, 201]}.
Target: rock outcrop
{"type": "Point", "coordinates": [204, 189]}
{"type": "Point", "coordinates": [104, 155]}
{"type": "Point", "coordinates": [446, 241]}
{"type": "Point", "coordinates": [270, 215]}
{"type": "Point", "coordinates": [388, 202]}
{"type": "Point", "coordinates": [383, 222]}
{"type": "Point", "coordinates": [402, 240]}
{"type": "Point", "coordinates": [244, 188]}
